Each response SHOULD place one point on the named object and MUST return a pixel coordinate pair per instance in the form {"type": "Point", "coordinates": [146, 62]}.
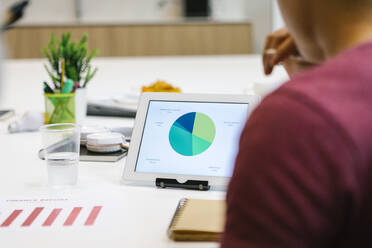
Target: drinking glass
{"type": "Point", "coordinates": [61, 143]}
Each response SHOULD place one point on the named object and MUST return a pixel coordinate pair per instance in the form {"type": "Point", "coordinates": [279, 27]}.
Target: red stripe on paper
{"type": "Point", "coordinates": [52, 217]}
{"type": "Point", "coordinates": [32, 217]}
{"type": "Point", "coordinates": [93, 216]}
{"type": "Point", "coordinates": [72, 217]}
{"type": "Point", "coordinates": [11, 218]}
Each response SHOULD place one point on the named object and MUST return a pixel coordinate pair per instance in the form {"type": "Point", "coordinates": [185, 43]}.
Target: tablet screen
{"type": "Point", "coordinates": [191, 138]}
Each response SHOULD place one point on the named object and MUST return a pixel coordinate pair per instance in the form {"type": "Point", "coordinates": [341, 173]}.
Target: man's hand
{"type": "Point", "coordinates": [281, 48]}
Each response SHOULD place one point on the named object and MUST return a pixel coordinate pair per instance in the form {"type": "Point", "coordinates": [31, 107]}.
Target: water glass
{"type": "Point", "coordinates": [61, 143]}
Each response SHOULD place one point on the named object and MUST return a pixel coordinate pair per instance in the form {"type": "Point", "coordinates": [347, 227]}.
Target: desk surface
{"type": "Point", "coordinates": [145, 212]}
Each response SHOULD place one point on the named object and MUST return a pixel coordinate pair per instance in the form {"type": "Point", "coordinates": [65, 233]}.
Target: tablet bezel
{"type": "Point", "coordinates": [130, 176]}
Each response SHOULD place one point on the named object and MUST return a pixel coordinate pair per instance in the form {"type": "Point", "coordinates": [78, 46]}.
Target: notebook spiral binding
{"type": "Point", "coordinates": [177, 213]}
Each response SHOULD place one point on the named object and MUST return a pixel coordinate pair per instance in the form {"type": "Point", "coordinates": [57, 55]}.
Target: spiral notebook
{"type": "Point", "coordinates": [198, 220]}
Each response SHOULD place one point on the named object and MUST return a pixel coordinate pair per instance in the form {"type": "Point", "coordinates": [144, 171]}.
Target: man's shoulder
{"type": "Point", "coordinates": [338, 89]}
{"type": "Point", "coordinates": [344, 77]}
{"type": "Point", "coordinates": [330, 97]}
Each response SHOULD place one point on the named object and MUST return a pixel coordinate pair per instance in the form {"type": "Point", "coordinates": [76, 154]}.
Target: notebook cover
{"type": "Point", "coordinates": [198, 220]}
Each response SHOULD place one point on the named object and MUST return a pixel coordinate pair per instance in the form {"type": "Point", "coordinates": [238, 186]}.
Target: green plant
{"type": "Point", "coordinates": [75, 57]}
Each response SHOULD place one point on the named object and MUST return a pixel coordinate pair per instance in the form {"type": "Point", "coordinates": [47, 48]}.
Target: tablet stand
{"type": "Point", "coordinates": [190, 184]}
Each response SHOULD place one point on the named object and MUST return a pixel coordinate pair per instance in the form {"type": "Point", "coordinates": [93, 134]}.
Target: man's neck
{"type": "Point", "coordinates": [339, 35]}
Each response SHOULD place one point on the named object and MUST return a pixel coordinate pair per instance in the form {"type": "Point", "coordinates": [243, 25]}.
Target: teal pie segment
{"type": "Point", "coordinates": [181, 140]}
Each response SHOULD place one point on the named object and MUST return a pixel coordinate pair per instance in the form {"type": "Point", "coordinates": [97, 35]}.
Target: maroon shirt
{"type": "Point", "coordinates": [303, 173]}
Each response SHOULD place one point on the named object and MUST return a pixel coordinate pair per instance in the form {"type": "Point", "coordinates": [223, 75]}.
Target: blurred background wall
{"type": "Point", "coordinates": [277, 17]}
{"type": "Point", "coordinates": [146, 27]}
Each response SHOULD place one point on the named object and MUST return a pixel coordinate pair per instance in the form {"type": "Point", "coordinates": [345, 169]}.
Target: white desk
{"type": "Point", "coordinates": [145, 212]}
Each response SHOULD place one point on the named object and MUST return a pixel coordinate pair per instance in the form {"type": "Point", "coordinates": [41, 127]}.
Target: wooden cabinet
{"type": "Point", "coordinates": [201, 38]}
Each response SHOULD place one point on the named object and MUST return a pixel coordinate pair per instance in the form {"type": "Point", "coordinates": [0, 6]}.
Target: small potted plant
{"type": "Point", "coordinates": [70, 72]}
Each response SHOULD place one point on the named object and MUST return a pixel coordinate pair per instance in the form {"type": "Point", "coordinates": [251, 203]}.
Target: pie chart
{"type": "Point", "coordinates": [192, 134]}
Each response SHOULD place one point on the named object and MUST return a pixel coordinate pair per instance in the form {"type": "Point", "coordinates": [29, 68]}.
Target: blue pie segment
{"type": "Point", "coordinates": [187, 121]}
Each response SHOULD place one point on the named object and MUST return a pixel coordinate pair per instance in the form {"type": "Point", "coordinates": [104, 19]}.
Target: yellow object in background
{"type": "Point", "coordinates": [161, 86]}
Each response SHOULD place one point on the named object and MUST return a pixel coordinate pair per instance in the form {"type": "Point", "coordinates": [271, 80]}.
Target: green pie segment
{"type": "Point", "coordinates": [199, 145]}
{"type": "Point", "coordinates": [192, 134]}
{"type": "Point", "coordinates": [204, 127]}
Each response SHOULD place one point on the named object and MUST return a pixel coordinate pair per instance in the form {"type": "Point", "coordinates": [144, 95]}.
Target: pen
{"type": "Point", "coordinates": [62, 73]}
{"type": "Point", "coordinates": [76, 86]}
{"type": "Point", "coordinates": [68, 86]}
{"type": "Point", "coordinates": [48, 89]}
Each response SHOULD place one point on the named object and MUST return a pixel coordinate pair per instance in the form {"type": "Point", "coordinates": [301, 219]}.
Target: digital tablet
{"type": "Point", "coordinates": [186, 137]}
